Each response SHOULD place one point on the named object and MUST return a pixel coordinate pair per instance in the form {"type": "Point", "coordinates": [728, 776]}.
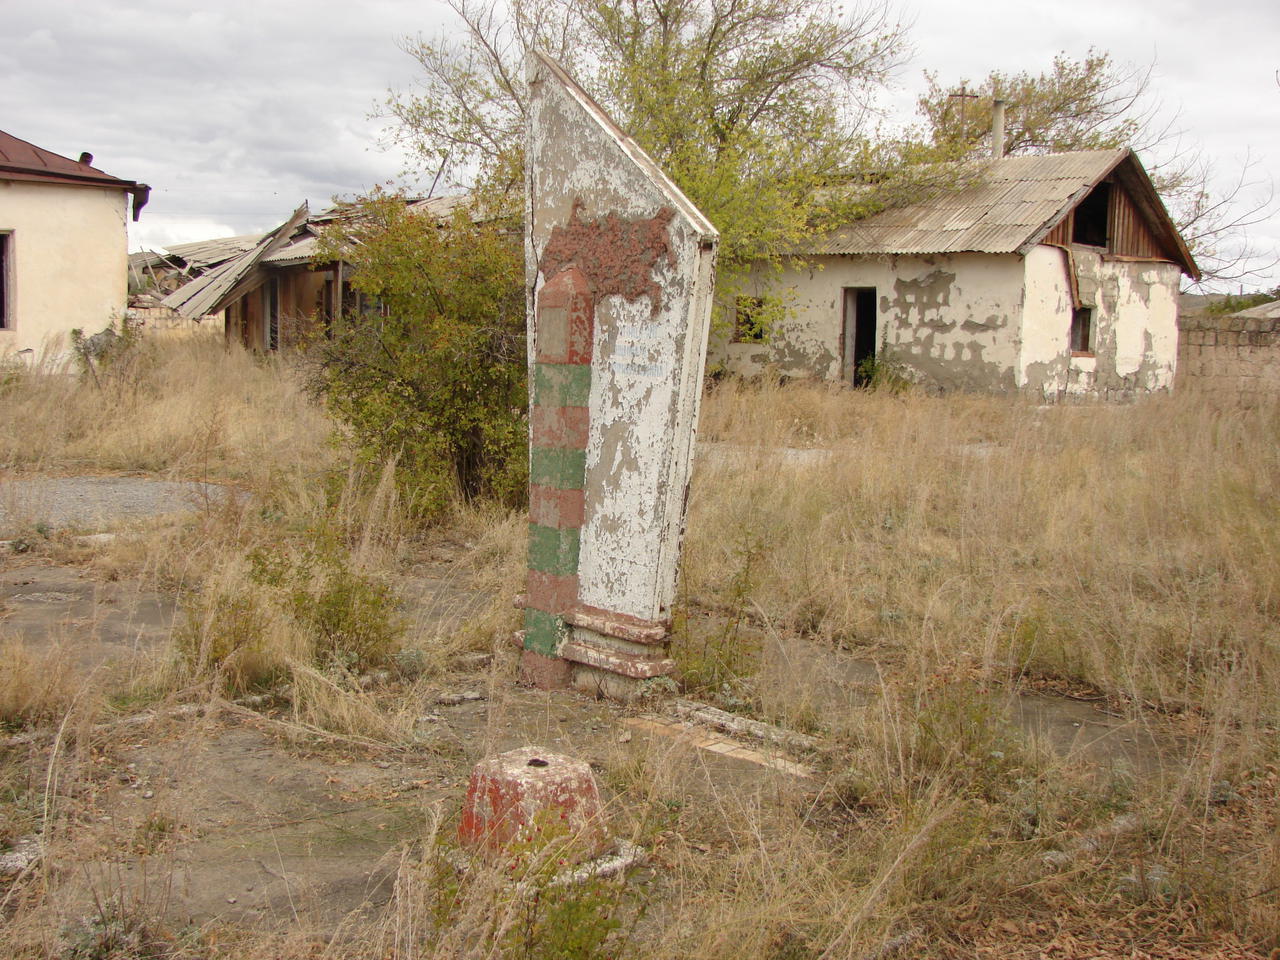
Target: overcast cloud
{"type": "Point", "coordinates": [235, 113]}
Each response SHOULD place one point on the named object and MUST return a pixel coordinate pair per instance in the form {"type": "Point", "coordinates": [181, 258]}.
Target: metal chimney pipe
{"type": "Point", "coordinates": [997, 129]}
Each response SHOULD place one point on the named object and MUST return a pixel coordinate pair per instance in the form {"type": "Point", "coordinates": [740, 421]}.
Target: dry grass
{"type": "Point", "coordinates": [969, 543]}
{"type": "Point", "coordinates": [1134, 549]}
{"type": "Point", "coordinates": [196, 408]}
{"type": "Point", "coordinates": [38, 686]}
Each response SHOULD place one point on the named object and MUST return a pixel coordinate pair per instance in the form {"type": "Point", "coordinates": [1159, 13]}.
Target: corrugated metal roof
{"type": "Point", "coordinates": [206, 293]}
{"type": "Point", "coordinates": [301, 250]}
{"type": "Point", "coordinates": [1015, 199]}
{"type": "Point", "coordinates": [20, 160]}
{"type": "Point", "coordinates": [206, 253]}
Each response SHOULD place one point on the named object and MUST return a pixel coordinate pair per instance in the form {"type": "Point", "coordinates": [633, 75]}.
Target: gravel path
{"type": "Point", "coordinates": [94, 503]}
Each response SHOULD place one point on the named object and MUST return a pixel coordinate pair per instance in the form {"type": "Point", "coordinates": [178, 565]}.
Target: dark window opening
{"type": "Point", "coordinates": [859, 335]}
{"type": "Point", "coordinates": [748, 321]}
{"type": "Point", "coordinates": [1082, 330]}
{"type": "Point", "coordinates": [1091, 217]}
{"type": "Point", "coordinates": [273, 314]}
{"type": "Point", "coordinates": [6, 322]}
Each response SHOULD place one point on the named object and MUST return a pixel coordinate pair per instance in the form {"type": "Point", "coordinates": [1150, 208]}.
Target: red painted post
{"type": "Point", "coordinates": [514, 796]}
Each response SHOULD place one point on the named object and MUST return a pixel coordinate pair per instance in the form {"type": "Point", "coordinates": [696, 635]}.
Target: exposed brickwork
{"type": "Point", "coordinates": [550, 507]}
{"type": "Point", "coordinates": [559, 424]}
{"type": "Point", "coordinates": [560, 427]}
{"type": "Point", "coordinates": [553, 550]}
{"type": "Point", "coordinates": [1229, 358]}
{"type": "Point", "coordinates": [558, 468]}
{"type": "Point", "coordinates": [561, 384]}
{"type": "Point", "coordinates": [545, 671]}
{"type": "Point", "coordinates": [566, 318]}
{"type": "Point", "coordinates": [616, 255]}
{"type": "Point", "coordinates": [548, 591]}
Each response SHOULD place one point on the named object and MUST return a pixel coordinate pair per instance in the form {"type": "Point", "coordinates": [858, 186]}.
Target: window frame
{"type": "Point", "coordinates": [1081, 346]}
{"type": "Point", "coordinates": [6, 280]}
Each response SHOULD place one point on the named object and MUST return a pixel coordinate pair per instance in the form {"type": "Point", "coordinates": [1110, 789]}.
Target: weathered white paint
{"type": "Point", "coordinates": [648, 358]}
{"type": "Point", "coordinates": [69, 262]}
{"type": "Point", "coordinates": [976, 321]}
{"type": "Point", "coordinates": [949, 319]}
{"type": "Point", "coordinates": [1135, 334]}
{"type": "Point", "coordinates": [1046, 319]}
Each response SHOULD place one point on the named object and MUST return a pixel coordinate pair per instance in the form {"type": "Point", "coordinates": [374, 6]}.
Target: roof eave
{"type": "Point", "coordinates": [1135, 179]}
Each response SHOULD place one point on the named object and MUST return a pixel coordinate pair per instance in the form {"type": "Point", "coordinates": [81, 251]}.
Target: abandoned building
{"type": "Point", "coordinates": [151, 272]}
{"type": "Point", "coordinates": [60, 219]}
{"type": "Point", "coordinates": [268, 287]}
{"type": "Point", "coordinates": [1054, 274]}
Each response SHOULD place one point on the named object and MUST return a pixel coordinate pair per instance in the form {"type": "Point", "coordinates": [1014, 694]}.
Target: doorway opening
{"type": "Point", "coordinates": [858, 342]}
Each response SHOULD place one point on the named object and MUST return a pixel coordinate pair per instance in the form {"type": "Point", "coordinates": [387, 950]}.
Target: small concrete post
{"type": "Point", "coordinates": [514, 796]}
{"type": "Point", "coordinates": [997, 129]}
{"type": "Point", "coordinates": [620, 272]}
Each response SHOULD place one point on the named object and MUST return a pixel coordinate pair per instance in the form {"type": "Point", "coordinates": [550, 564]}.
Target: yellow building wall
{"type": "Point", "coordinates": [68, 262]}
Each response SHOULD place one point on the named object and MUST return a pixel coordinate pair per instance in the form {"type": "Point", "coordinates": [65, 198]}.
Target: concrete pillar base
{"type": "Point", "coordinates": [614, 655]}
{"type": "Point", "coordinates": [515, 796]}
{"type": "Point", "coordinates": [612, 686]}
{"type": "Point", "coordinates": [543, 672]}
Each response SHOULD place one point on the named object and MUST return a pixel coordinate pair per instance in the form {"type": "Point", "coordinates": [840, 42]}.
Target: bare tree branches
{"type": "Point", "coordinates": [1095, 103]}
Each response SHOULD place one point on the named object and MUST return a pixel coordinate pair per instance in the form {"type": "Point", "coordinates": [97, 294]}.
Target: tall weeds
{"type": "Point", "coordinates": [197, 408]}
{"type": "Point", "coordinates": [1134, 548]}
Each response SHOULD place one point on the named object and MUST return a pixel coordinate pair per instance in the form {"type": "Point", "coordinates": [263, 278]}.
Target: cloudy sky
{"type": "Point", "coordinates": [237, 111]}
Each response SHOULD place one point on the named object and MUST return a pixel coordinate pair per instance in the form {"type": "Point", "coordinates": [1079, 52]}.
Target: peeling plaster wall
{"type": "Point", "coordinates": [647, 365]}
{"type": "Point", "coordinates": [1135, 333]}
{"type": "Point", "coordinates": [951, 320]}
{"type": "Point", "coordinates": [69, 262]}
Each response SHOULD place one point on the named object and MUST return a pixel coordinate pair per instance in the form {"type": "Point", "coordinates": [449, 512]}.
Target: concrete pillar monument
{"type": "Point", "coordinates": [619, 266]}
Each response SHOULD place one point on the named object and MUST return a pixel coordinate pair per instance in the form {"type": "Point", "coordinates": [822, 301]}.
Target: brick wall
{"type": "Point", "coordinates": [1231, 357]}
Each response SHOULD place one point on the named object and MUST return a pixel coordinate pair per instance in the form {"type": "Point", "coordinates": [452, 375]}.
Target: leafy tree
{"type": "Point", "coordinates": [1095, 103]}
{"type": "Point", "coordinates": [750, 105]}
{"type": "Point", "coordinates": [435, 375]}
{"type": "Point", "coordinates": [1087, 104]}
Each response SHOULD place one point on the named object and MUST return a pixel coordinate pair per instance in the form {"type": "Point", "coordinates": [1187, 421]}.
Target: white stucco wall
{"type": "Point", "coordinates": [952, 320]}
{"type": "Point", "coordinates": [648, 354]}
{"type": "Point", "coordinates": [68, 262]}
{"type": "Point", "coordinates": [1135, 330]}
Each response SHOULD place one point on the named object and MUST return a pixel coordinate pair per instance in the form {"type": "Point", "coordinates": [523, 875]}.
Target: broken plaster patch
{"type": "Point", "coordinates": [615, 255]}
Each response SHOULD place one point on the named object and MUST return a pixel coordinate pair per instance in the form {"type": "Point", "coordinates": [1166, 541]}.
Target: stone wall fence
{"type": "Point", "coordinates": [1234, 357]}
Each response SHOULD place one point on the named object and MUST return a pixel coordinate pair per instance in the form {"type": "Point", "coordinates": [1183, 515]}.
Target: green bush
{"type": "Point", "coordinates": [349, 616]}
{"type": "Point", "coordinates": [432, 372]}
{"type": "Point", "coordinates": [285, 605]}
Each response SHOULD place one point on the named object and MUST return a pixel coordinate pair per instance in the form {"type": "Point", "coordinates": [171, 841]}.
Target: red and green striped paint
{"type": "Point", "coordinates": [558, 458]}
